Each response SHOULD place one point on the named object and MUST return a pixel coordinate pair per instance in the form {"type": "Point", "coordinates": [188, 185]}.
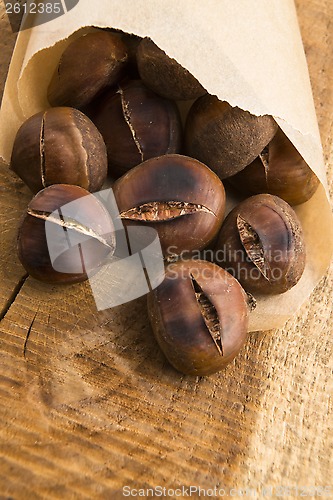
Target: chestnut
{"type": "Point", "coordinates": [279, 170]}
{"type": "Point", "coordinates": [165, 75]}
{"type": "Point", "coordinates": [88, 65]}
{"type": "Point", "coordinates": [225, 138]}
{"type": "Point", "coordinates": [261, 244]}
{"type": "Point", "coordinates": [199, 316]}
{"type": "Point", "coordinates": [59, 146]}
{"type": "Point", "coordinates": [65, 234]}
{"type": "Point", "coordinates": [136, 125]}
{"type": "Point", "coordinates": [178, 196]}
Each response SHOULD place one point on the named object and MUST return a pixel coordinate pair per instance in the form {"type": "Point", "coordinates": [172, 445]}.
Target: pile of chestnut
{"type": "Point", "coordinates": [115, 113]}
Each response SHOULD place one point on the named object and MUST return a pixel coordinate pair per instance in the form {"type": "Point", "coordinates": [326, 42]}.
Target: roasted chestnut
{"type": "Point", "coordinates": [178, 196]}
{"type": "Point", "coordinates": [88, 65]}
{"type": "Point", "coordinates": [59, 146]}
{"type": "Point", "coordinates": [136, 125]}
{"type": "Point", "coordinates": [65, 234]}
{"type": "Point", "coordinates": [279, 170]}
{"type": "Point", "coordinates": [261, 244]}
{"type": "Point", "coordinates": [199, 316]}
{"type": "Point", "coordinates": [165, 75]}
{"type": "Point", "coordinates": [225, 138]}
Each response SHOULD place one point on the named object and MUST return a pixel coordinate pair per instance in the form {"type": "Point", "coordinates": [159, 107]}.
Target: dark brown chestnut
{"type": "Point", "coordinates": [199, 316]}
{"type": "Point", "coordinates": [279, 170]}
{"type": "Point", "coordinates": [165, 75]}
{"type": "Point", "coordinates": [59, 146]}
{"type": "Point", "coordinates": [178, 196]}
{"type": "Point", "coordinates": [88, 65]}
{"type": "Point", "coordinates": [261, 244]}
{"type": "Point", "coordinates": [225, 138]}
{"type": "Point", "coordinates": [65, 234]}
{"type": "Point", "coordinates": [136, 125]}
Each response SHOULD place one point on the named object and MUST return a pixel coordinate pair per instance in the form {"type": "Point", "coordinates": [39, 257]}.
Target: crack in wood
{"type": "Point", "coordinates": [13, 296]}
{"type": "Point", "coordinates": [28, 334]}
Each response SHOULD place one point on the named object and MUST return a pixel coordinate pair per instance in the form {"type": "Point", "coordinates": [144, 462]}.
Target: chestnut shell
{"type": "Point", "coordinates": [225, 138]}
{"type": "Point", "coordinates": [178, 196]}
{"type": "Point", "coordinates": [88, 65]}
{"type": "Point", "coordinates": [278, 170]}
{"type": "Point", "coordinates": [59, 146]}
{"type": "Point", "coordinates": [199, 316]}
{"type": "Point", "coordinates": [136, 125]}
{"type": "Point", "coordinates": [261, 243]}
{"type": "Point", "coordinates": [32, 244]}
{"type": "Point", "coordinates": [164, 75]}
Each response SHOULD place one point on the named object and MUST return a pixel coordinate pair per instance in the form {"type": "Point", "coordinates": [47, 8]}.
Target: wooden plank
{"type": "Point", "coordinates": [14, 199]}
{"type": "Point", "coordinates": [88, 403]}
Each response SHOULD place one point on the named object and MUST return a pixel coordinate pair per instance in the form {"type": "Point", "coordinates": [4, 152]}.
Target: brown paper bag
{"type": "Point", "coordinates": [248, 53]}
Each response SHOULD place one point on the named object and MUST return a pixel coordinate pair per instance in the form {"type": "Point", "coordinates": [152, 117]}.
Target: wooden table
{"type": "Point", "coordinates": [89, 404]}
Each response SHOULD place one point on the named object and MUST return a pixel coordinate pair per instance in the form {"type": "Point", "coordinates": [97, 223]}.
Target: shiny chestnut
{"type": "Point", "coordinates": [59, 146]}
{"type": "Point", "coordinates": [164, 75]}
{"type": "Point", "coordinates": [88, 65]}
{"type": "Point", "coordinates": [178, 196]}
{"type": "Point", "coordinates": [261, 243]}
{"type": "Point", "coordinates": [225, 138]}
{"type": "Point", "coordinates": [279, 170]}
{"type": "Point", "coordinates": [65, 234]}
{"type": "Point", "coordinates": [136, 125]}
{"type": "Point", "coordinates": [199, 316]}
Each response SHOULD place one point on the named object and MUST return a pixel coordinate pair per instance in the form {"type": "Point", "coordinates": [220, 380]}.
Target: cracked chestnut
{"type": "Point", "coordinates": [164, 75]}
{"type": "Point", "coordinates": [261, 243]}
{"type": "Point", "coordinates": [136, 125]}
{"type": "Point", "coordinates": [178, 196]}
{"type": "Point", "coordinates": [225, 138]}
{"type": "Point", "coordinates": [279, 170]}
{"type": "Point", "coordinates": [199, 316]}
{"type": "Point", "coordinates": [88, 65]}
{"type": "Point", "coordinates": [65, 234]}
{"type": "Point", "coordinates": [59, 146]}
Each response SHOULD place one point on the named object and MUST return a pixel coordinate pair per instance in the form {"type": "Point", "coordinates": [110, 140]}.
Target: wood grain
{"type": "Point", "coordinates": [89, 404]}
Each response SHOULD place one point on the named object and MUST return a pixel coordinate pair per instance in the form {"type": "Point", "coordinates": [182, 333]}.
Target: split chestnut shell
{"type": "Point", "coordinates": [199, 316]}
{"type": "Point", "coordinates": [261, 243]}
{"type": "Point", "coordinates": [178, 196]}
{"type": "Point", "coordinates": [65, 234]}
{"type": "Point", "coordinates": [136, 124]}
{"type": "Point", "coordinates": [59, 146]}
